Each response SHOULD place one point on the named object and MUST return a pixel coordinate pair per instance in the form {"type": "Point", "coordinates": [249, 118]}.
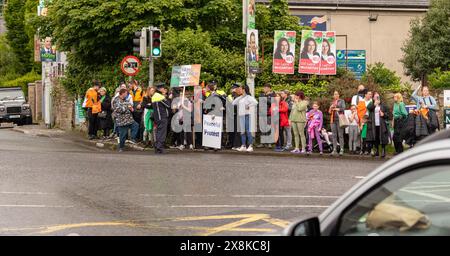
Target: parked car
{"type": "Point", "coordinates": [13, 106]}
{"type": "Point", "coordinates": [407, 196]}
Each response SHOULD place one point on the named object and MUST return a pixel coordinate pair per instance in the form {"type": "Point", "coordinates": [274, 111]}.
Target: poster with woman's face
{"type": "Point", "coordinates": [328, 59]}
{"type": "Point", "coordinates": [284, 52]}
{"type": "Point", "coordinates": [311, 52]}
{"type": "Point", "coordinates": [252, 50]}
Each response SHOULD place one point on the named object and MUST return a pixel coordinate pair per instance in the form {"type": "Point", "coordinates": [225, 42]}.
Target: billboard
{"type": "Point", "coordinates": [356, 61]}
{"type": "Point", "coordinates": [284, 52]}
{"type": "Point", "coordinates": [316, 22]}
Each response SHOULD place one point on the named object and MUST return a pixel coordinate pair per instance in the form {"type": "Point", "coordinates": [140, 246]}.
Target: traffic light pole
{"type": "Point", "coordinates": [151, 71]}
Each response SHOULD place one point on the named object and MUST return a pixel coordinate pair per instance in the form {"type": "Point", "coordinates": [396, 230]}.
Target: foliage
{"type": "Point", "coordinates": [386, 79]}
{"type": "Point", "coordinates": [16, 36]}
{"type": "Point", "coordinates": [23, 81]}
{"type": "Point", "coordinates": [7, 60]}
{"type": "Point", "coordinates": [428, 45]}
{"type": "Point", "coordinates": [439, 79]}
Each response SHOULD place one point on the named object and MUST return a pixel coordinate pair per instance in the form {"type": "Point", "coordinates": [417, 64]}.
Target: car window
{"type": "Point", "coordinates": [414, 203]}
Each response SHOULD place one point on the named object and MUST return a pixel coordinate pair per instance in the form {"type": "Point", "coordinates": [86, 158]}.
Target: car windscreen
{"type": "Point", "coordinates": [11, 95]}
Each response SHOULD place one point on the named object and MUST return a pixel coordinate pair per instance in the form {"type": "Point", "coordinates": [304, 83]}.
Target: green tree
{"type": "Point", "coordinates": [17, 37]}
{"type": "Point", "coordinates": [428, 45]}
{"type": "Point", "coordinates": [439, 79]}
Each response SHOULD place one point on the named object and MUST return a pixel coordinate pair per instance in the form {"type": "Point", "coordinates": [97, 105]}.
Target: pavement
{"type": "Point", "coordinates": [59, 184]}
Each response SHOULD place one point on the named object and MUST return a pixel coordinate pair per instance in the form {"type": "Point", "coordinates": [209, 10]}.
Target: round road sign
{"type": "Point", "coordinates": [130, 65]}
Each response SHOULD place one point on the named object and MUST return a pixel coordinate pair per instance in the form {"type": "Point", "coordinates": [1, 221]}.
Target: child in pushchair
{"type": "Point", "coordinates": [326, 138]}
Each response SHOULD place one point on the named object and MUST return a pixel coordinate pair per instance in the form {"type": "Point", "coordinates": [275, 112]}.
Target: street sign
{"type": "Point", "coordinates": [447, 98]}
{"type": "Point", "coordinates": [447, 118]}
{"type": "Point", "coordinates": [130, 65]}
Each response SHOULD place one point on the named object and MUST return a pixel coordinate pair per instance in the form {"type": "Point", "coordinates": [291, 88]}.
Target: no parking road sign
{"type": "Point", "coordinates": [130, 65]}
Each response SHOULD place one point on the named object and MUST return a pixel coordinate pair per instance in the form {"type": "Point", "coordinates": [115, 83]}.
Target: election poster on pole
{"type": "Point", "coordinates": [311, 48]}
{"type": "Point", "coordinates": [328, 59]}
{"type": "Point", "coordinates": [284, 52]}
{"type": "Point", "coordinates": [252, 50]}
{"type": "Point", "coordinates": [186, 75]}
{"type": "Point", "coordinates": [212, 131]}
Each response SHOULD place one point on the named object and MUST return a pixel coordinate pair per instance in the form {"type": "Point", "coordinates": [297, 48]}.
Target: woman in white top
{"type": "Point", "coordinates": [246, 110]}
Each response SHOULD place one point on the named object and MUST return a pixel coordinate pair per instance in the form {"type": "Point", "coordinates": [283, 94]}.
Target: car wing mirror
{"type": "Point", "coordinates": [307, 227]}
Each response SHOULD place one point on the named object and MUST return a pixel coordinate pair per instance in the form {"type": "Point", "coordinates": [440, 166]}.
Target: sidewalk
{"type": "Point", "coordinates": [111, 144]}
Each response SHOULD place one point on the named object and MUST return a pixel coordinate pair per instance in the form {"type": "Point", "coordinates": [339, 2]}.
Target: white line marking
{"type": "Point", "coordinates": [237, 206]}
{"type": "Point", "coordinates": [359, 177]}
{"type": "Point", "coordinates": [241, 196]}
{"type": "Point", "coordinates": [34, 206]}
{"type": "Point", "coordinates": [24, 193]}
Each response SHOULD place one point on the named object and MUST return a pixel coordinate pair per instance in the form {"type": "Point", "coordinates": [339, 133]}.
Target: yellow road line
{"type": "Point", "coordinates": [277, 222]}
{"type": "Point", "coordinates": [228, 227]}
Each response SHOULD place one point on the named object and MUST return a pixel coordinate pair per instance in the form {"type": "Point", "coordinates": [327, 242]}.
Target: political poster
{"type": "Point", "coordinates": [353, 60]}
{"type": "Point", "coordinates": [310, 53]}
{"type": "Point", "coordinates": [447, 118]}
{"type": "Point", "coordinates": [251, 14]}
{"type": "Point", "coordinates": [284, 52]}
{"type": "Point", "coordinates": [43, 7]}
{"type": "Point", "coordinates": [328, 56]}
{"type": "Point", "coordinates": [212, 131]}
{"type": "Point", "coordinates": [252, 50]}
{"type": "Point", "coordinates": [80, 116]}
{"type": "Point", "coordinates": [186, 75]}
{"type": "Point", "coordinates": [48, 50]}
{"type": "Point", "coordinates": [447, 98]}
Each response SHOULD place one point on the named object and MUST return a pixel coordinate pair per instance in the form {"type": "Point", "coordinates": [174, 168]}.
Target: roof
{"type": "Point", "coordinates": [360, 3]}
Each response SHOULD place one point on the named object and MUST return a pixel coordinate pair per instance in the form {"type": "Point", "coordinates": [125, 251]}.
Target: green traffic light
{"type": "Point", "coordinates": [156, 51]}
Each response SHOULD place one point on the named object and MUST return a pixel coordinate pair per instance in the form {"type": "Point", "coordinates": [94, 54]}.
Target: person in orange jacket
{"type": "Point", "coordinates": [90, 103]}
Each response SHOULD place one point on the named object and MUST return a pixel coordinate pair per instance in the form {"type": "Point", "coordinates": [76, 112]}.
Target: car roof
{"type": "Point", "coordinates": [434, 149]}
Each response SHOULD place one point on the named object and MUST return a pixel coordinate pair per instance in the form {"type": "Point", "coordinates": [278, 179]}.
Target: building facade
{"type": "Point", "coordinates": [380, 27]}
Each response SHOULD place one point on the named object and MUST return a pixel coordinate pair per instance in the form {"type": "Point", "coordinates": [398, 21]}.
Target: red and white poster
{"type": "Point", "coordinates": [310, 53]}
{"type": "Point", "coordinates": [328, 58]}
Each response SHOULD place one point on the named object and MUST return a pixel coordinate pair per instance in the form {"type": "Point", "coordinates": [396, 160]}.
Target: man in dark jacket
{"type": "Point", "coordinates": [161, 111]}
{"type": "Point", "coordinates": [123, 114]}
{"type": "Point", "coordinates": [269, 95]}
{"type": "Point", "coordinates": [377, 126]}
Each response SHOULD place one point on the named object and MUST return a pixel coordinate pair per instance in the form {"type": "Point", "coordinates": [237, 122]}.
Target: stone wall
{"type": "Point", "coordinates": [62, 108]}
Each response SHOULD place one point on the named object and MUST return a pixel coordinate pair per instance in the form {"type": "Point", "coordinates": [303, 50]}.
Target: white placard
{"type": "Point", "coordinates": [447, 98]}
{"type": "Point", "coordinates": [212, 131]}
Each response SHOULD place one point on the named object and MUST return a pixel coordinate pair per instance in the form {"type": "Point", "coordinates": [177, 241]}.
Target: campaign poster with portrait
{"type": "Point", "coordinates": [284, 52]}
{"type": "Point", "coordinates": [310, 52]}
{"type": "Point", "coordinates": [43, 7]}
{"type": "Point", "coordinates": [252, 50]}
{"type": "Point", "coordinates": [328, 56]}
{"type": "Point", "coordinates": [48, 50]}
{"type": "Point", "coordinates": [251, 14]}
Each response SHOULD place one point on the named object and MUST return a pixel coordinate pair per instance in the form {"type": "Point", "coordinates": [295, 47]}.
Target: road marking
{"type": "Point", "coordinates": [359, 177]}
{"type": "Point", "coordinates": [236, 224]}
{"type": "Point", "coordinates": [24, 193]}
{"type": "Point", "coordinates": [242, 196]}
{"type": "Point", "coordinates": [34, 206]}
{"type": "Point", "coordinates": [277, 222]}
{"type": "Point", "coordinates": [236, 206]}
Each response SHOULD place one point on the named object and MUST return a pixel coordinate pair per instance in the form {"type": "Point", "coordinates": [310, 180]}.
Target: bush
{"type": "Point", "coordinates": [23, 81]}
{"type": "Point", "coordinates": [439, 79]}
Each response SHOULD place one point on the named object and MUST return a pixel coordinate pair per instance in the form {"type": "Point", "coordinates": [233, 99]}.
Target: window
{"type": "Point", "coordinates": [414, 203]}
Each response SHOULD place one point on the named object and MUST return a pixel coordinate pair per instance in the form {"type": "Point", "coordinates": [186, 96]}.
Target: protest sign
{"type": "Point", "coordinates": [212, 131]}
{"type": "Point", "coordinates": [186, 75]}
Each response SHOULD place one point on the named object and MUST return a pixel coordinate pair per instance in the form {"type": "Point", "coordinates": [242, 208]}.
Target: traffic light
{"type": "Point", "coordinates": [155, 42]}
{"type": "Point", "coordinates": [140, 43]}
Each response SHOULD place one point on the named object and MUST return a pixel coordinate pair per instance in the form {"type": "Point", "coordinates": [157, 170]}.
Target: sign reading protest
{"type": "Point", "coordinates": [212, 131]}
{"type": "Point", "coordinates": [311, 47]}
{"type": "Point", "coordinates": [355, 62]}
{"type": "Point", "coordinates": [328, 60]}
{"type": "Point", "coordinates": [284, 52]}
{"type": "Point", "coordinates": [130, 65]}
{"type": "Point", "coordinates": [186, 75]}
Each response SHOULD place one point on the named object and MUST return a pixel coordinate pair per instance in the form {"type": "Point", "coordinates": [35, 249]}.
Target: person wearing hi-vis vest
{"type": "Point", "coordinates": [91, 103]}
{"type": "Point", "coordinates": [161, 108]}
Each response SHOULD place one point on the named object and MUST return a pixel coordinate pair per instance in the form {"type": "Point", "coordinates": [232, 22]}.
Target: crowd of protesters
{"type": "Point", "coordinates": [158, 116]}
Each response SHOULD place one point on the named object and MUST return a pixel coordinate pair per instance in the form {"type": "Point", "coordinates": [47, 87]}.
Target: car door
{"type": "Point", "coordinates": [416, 201]}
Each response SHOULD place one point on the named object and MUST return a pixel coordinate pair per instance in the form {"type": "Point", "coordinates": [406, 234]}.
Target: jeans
{"type": "Point", "coordinates": [337, 132]}
{"type": "Point", "coordinates": [246, 135]}
{"type": "Point", "coordinates": [299, 134]}
{"type": "Point", "coordinates": [123, 133]}
{"type": "Point", "coordinates": [288, 137]}
{"type": "Point", "coordinates": [353, 137]}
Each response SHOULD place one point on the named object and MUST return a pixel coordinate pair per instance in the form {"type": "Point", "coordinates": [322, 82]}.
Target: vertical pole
{"type": "Point", "coordinates": [151, 72]}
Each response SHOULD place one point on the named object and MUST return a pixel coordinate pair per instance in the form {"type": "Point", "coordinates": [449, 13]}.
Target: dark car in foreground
{"type": "Point", "coordinates": [407, 196]}
{"type": "Point", "coordinates": [13, 106]}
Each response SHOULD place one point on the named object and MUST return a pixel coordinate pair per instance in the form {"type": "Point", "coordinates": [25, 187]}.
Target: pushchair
{"type": "Point", "coordinates": [327, 143]}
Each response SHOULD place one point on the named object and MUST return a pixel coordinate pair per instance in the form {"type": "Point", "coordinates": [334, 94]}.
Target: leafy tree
{"type": "Point", "coordinates": [17, 37]}
{"type": "Point", "coordinates": [428, 46]}
{"type": "Point", "coordinates": [7, 60]}
{"type": "Point", "coordinates": [439, 79]}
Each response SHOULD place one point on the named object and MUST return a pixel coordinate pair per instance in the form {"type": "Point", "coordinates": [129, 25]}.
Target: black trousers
{"type": "Point", "coordinates": [92, 123]}
{"type": "Point", "coordinates": [161, 133]}
{"type": "Point", "coordinates": [398, 138]}
{"type": "Point", "coordinates": [280, 141]}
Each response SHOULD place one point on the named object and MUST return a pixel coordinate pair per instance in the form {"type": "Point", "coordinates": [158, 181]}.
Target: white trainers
{"type": "Point", "coordinates": [250, 148]}
{"type": "Point", "coordinates": [242, 149]}
{"type": "Point", "coordinates": [191, 147]}
{"type": "Point", "coordinates": [181, 147]}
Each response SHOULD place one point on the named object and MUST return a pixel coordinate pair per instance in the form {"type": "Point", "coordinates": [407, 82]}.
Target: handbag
{"type": "Point", "coordinates": [343, 121]}
{"type": "Point", "coordinates": [102, 114]}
